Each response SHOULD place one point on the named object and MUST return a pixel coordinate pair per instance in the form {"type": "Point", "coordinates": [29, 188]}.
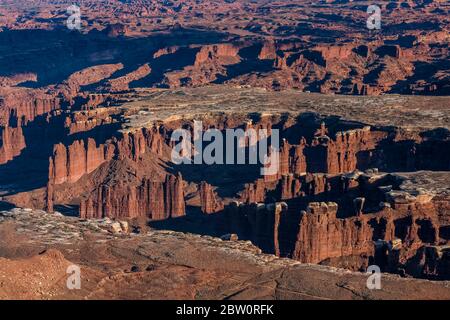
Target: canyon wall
{"type": "Point", "coordinates": [12, 142]}
{"type": "Point", "coordinates": [210, 203]}
{"type": "Point", "coordinates": [349, 150]}
{"type": "Point", "coordinates": [19, 106]}
{"type": "Point", "coordinates": [323, 236]}
{"type": "Point", "coordinates": [153, 200]}
{"type": "Point", "coordinates": [82, 157]}
{"type": "Point", "coordinates": [400, 233]}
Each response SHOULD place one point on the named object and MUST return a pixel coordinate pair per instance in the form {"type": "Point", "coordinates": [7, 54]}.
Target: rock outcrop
{"type": "Point", "coordinates": [122, 83]}
{"type": "Point", "coordinates": [82, 157]}
{"type": "Point", "coordinates": [154, 200]}
{"type": "Point", "coordinates": [210, 203]}
{"type": "Point", "coordinates": [323, 236]}
{"type": "Point", "coordinates": [12, 142]}
{"type": "Point", "coordinates": [72, 162]}
{"type": "Point", "coordinates": [18, 106]}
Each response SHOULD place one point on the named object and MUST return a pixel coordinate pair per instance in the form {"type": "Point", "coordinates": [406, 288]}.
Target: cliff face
{"type": "Point", "coordinates": [267, 225]}
{"type": "Point", "coordinates": [88, 76]}
{"type": "Point", "coordinates": [220, 54]}
{"type": "Point", "coordinates": [87, 120]}
{"type": "Point", "coordinates": [361, 148]}
{"type": "Point", "coordinates": [21, 105]}
{"type": "Point", "coordinates": [347, 151]}
{"type": "Point", "coordinates": [113, 195]}
{"type": "Point", "coordinates": [254, 192]}
{"type": "Point", "coordinates": [133, 144]}
{"type": "Point", "coordinates": [11, 143]}
{"type": "Point", "coordinates": [82, 157]}
{"type": "Point", "coordinates": [392, 233]}
{"type": "Point", "coordinates": [122, 83]}
{"type": "Point", "coordinates": [209, 200]}
{"type": "Point", "coordinates": [18, 108]}
{"type": "Point", "coordinates": [316, 152]}
{"type": "Point", "coordinates": [401, 233]}
{"type": "Point", "coordinates": [323, 236]}
{"type": "Point", "coordinates": [71, 163]}
{"type": "Point", "coordinates": [23, 110]}
{"type": "Point", "coordinates": [154, 200]}
{"type": "Point", "coordinates": [209, 65]}
{"type": "Point", "coordinates": [268, 51]}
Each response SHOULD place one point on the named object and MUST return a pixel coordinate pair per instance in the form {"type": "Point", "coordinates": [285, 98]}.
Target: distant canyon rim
{"type": "Point", "coordinates": [86, 120]}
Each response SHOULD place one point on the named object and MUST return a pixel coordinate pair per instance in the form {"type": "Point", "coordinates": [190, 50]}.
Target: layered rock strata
{"type": "Point", "coordinates": [153, 200]}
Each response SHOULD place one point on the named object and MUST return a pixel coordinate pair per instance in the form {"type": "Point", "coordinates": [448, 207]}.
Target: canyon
{"type": "Point", "coordinates": [363, 167]}
{"type": "Point", "coordinates": [347, 193]}
{"type": "Point", "coordinates": [316, 46]}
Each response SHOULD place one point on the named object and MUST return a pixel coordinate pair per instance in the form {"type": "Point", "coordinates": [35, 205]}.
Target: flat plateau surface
{"type": "Point", "coordinates": [409, 112]}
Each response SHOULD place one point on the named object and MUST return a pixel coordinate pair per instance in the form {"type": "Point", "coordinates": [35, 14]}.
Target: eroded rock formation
{"type": "Point", "coordinates": [154, 200]}
{"type": "Point", "coordinates": [327, 203]}
{"type": "Point", "coordinates": [208, 198]}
